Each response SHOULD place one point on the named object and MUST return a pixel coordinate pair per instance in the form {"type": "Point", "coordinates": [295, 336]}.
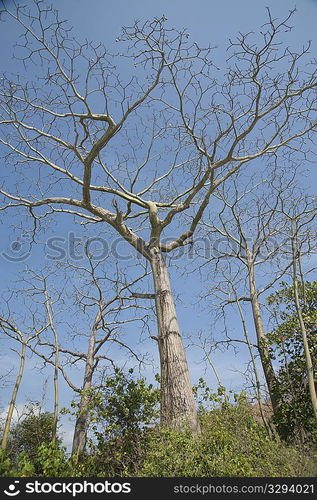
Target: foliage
{"type": "Point", "coordinates": [123, 405]}
{"type": "Point", "coordinates": [120, 413]}
{"type": "Point", "coordinates": [30, 433]}
{"type": "Point", "coordinates": [232, 444]}
{"type": "Point", "coordinates": [295, 418]}
{"type": "Point", "coordinates": [30, 448]}
{"type": "Point", "coordinates": [21, 468]}
{"type": "Point", "coordinates": [52, 460]}
{"type": "Point", "coordinates": [207, 400]}
{"type": "Point", "coordinates": [5, 464]}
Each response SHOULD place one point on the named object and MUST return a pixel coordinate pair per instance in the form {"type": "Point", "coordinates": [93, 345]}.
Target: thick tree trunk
{"type": "Point", "coordinates": [7, 425]}
{"type": "Point", "coordinates": [265, 357]}
{"type": "Point", "coordinates": [178, 408]}
{"type": "Point", "coordinates": [81, 426]}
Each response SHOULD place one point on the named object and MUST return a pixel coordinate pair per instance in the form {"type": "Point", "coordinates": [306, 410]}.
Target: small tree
{"type": "Point", "coordinates": [295, 417]}
{"type": "Point", "coordinates": [120, 414]}
{"type": "Point", "coordinates": [33, 430]}
{"type": "Point", "coordinates": [100, 299]}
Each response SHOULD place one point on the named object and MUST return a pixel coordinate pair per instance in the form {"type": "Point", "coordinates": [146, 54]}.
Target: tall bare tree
{"type": "Point", "coordinates": [140, 140]}
{"type": "Point", "coordinates": [251, 232]}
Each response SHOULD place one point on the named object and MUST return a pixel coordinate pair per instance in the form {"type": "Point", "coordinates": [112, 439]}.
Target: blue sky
{"type": "Point", "coordinates": [207, 21]}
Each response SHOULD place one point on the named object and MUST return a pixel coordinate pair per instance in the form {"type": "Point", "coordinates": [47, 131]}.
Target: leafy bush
{"type": "Point", "coordinates": [126, 441]}
{"type": "Point", "coordinates": [52, 461]}
{"type": "Point", "coordinates": [232, 444]}
{"type": "Point", "coordinates": [31, 432]}
{"type": "Point", "coordinates": [121, 415]}
{"type": "Point", "coordinates": [123, 405]}
{"type": "Point", "coordinates": [21, 468]}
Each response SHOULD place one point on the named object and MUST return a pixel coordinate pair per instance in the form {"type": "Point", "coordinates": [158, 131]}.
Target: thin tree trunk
{"type": "Point", "coordinates": [81, 426]}
{"type": "Point", "coordinates": [267, 425]}
{"type": "Point", "coordinates": [56, 394]}
{"type": "Point", "coordinates": [7, 426]}
{"type": "Point", "coordinates": [271, 381]}
{"type": "Point", "coordinates": [56, 365]}
{"type": "Point", "coordinates": [308, 358]}
{"type": "Point", "coordinates": [178, 408]}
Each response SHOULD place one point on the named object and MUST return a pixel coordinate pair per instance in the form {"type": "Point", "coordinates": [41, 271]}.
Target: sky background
{"type": "Point", "coordinates": [207, 22]}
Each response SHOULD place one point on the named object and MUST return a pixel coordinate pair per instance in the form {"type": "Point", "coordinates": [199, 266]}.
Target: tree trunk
{"type": "Point", "coordinates": [178, 408]}
{"type": "Point", "coordinates": [81, 426]}
{"type": "Point", "coordinates": [7, 426]}
{"type": "Point", "coordinates": [308, 358]}
{"type": "Point", "coordinates": [269, 428]}
{"type": "Point", "coordinates": [266, 361]}
{"type": "Point", "coordinates": [56, 392]}
{"type": "Point", "coordinates": [50, 315]}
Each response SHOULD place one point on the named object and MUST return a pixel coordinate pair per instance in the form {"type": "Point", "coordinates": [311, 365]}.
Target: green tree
{"type": "Point", "coordinates": [29, 434]}
{"type": "Point", "coordinates": [124, 405]}
{"type": "Point", "coordinates": [120, 414]}
{"type": "Point", "coordinates": [295, 418]}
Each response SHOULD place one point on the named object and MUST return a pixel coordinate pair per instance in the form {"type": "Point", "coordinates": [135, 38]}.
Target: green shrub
{"type": "Point", "coordinates": [52, 461]}
{"type": "Point", "coordinates": [121, 414]}
{"type": "Point", "coordinates": [27, 435]}
{"type": "Point", "coordinates": [21, 468]}
{"type": "Point", "coordinates": [232, 444]}
{"type": "Point", "coordinates": [5, 464]}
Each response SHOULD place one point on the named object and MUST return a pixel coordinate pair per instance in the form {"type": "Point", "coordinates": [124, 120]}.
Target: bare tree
{"type": "Point", "coordinates": [252, 231]}
{"type": "Point", "coordinates": [103, 302]}
{"type": "Point", "coordinates": [36, 308]}
{"type": "Point", "coordinates": [267, 425]}
{"type": "Point", "coordinates": [49, 308]}
{"type": "Point", "coordinates": [104, 332]}
{"type": "Point", "coordinates": [10, 330]}
{"type": "Point", "coordinates": [140, 146]}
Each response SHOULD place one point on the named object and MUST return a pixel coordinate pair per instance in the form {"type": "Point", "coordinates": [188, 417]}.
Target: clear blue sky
{"type": "Point", "coordinates": [207, 21]}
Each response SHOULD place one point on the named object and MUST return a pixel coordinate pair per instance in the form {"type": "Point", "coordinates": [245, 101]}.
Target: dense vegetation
{"type": "Point", "coordinates": [295, 418]}
{"type": "Point", "coordinates": [125, 440]}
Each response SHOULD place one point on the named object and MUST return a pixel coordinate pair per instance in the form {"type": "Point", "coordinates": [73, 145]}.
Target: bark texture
{"type": "Point", "coordinates": [266, 361]}
{"type": "Point", "coordinates": [81, 425]}
{"type": "Point", "coordinates": [178, 408]}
